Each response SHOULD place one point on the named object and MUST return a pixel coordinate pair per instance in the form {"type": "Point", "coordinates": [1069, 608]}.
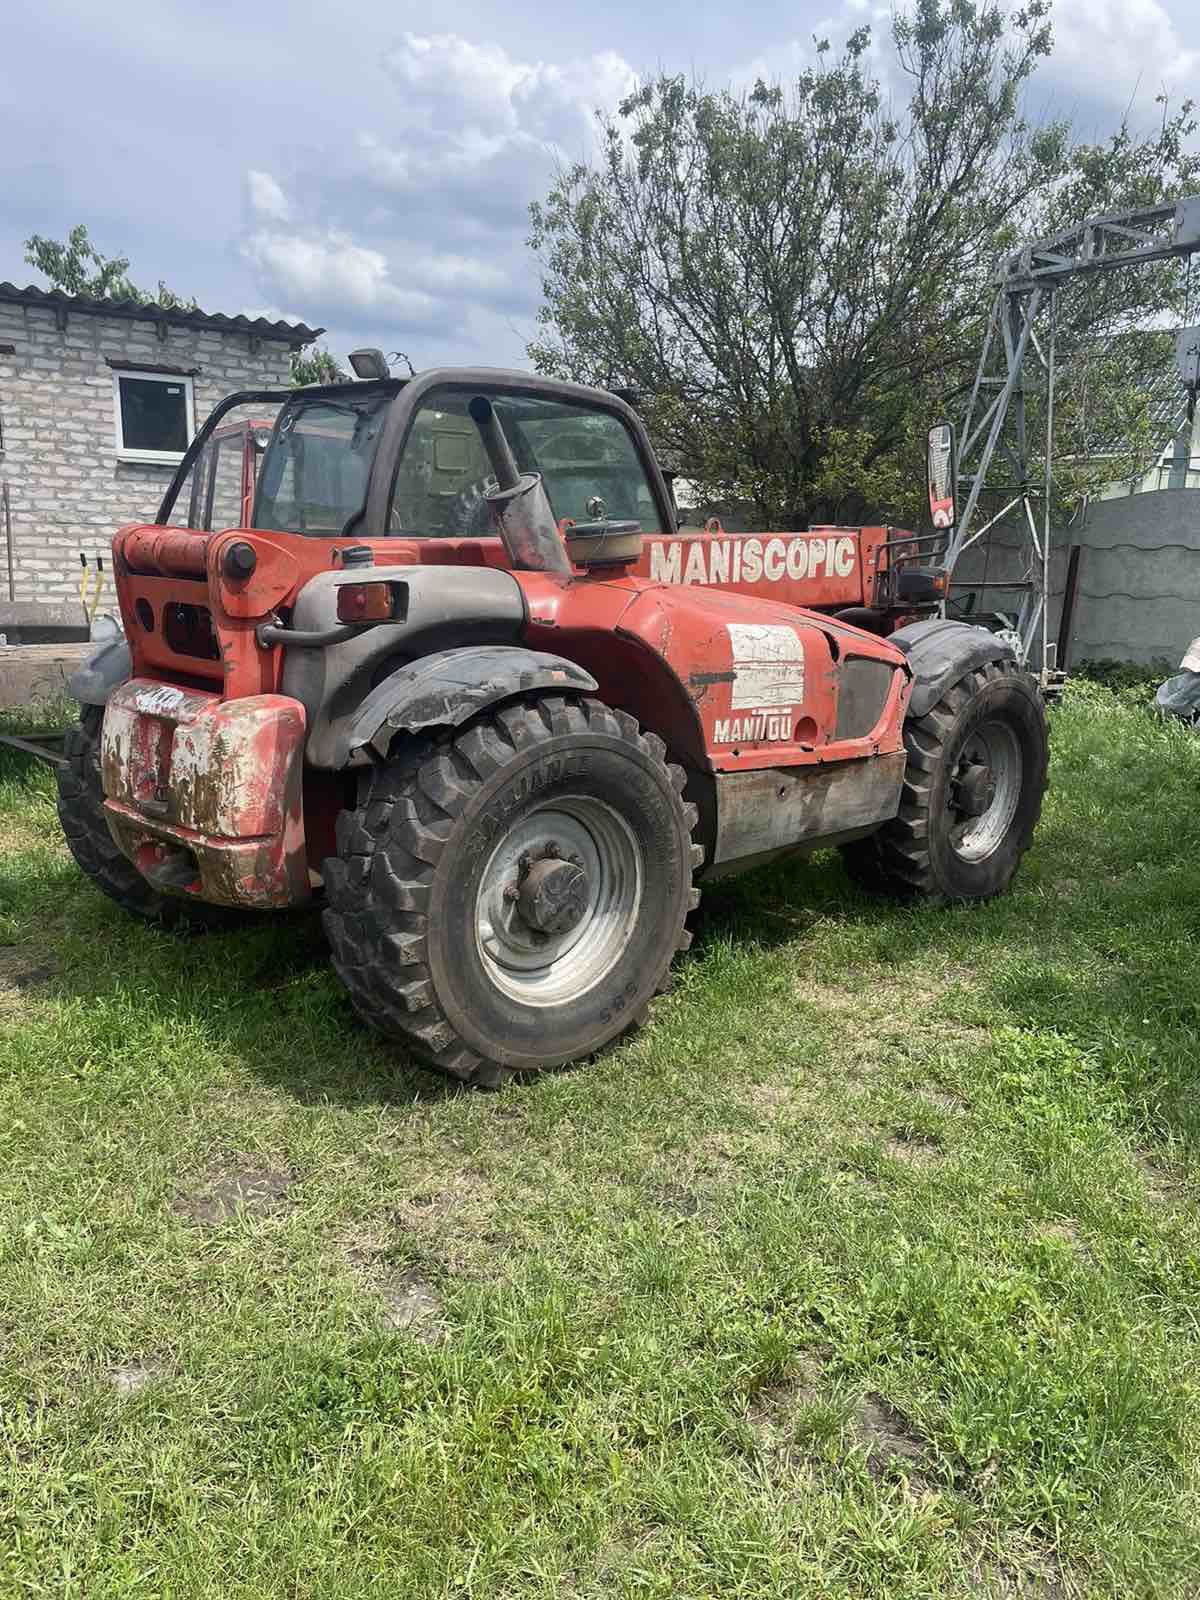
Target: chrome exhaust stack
{"type": "Point", "coordinates": [519, 507]}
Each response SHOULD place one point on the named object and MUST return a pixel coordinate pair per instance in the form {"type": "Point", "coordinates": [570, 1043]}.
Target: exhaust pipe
{"type": "Point", "coordinates": [519, 507]}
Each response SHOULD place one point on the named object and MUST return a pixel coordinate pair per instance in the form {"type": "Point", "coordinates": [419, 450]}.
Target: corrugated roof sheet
{"type": "Point", "coordinates": [293, 333]}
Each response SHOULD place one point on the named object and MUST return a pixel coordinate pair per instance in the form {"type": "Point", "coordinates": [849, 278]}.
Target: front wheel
{"type": "Point", "coordinates": [973, 787]}
{"type": "Point", "coordinates": [510, 898]}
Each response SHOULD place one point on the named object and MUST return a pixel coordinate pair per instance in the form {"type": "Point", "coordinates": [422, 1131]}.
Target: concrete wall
{"type": "Point", "coordinates": [67, 489]}
{"type": "Point", "coordinates": [1139, 576]}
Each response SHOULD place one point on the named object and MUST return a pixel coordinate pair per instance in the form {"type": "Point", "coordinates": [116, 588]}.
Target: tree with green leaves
{"type": "Point", "coordinates": [75, 266]}
{"type": "Point", "coordinates": [315, 365]}
{"type": "Point", "coordinates": [796, 279]}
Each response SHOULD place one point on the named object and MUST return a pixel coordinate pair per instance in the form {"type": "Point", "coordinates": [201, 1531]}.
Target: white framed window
{"type": "Point", "coordinates": [154, 415]}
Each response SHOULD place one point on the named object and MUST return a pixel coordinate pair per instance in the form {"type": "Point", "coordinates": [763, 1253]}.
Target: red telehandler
{"type": "Point", "coordinates": [458, 676]}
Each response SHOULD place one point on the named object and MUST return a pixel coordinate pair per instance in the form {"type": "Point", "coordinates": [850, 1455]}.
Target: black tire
{"type": "Point", "coordinates": [426, 900]}
{"type": "Point", "coordinates": [941, 846]}
{"type": "Point", "coordinates": [81, 813]}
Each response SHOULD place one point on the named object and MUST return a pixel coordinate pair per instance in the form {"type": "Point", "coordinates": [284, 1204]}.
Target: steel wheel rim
{"type": "Point", "coordinates": [975, 838]}
{"type": "Point", "coordinates": [546, 969]}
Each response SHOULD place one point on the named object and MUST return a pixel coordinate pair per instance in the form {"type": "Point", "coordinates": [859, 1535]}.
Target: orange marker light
{"type": "Point", "coordinates": [365, 602]}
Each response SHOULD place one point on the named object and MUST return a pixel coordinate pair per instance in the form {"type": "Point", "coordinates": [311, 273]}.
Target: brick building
{"type": "Point", "coordinates": [98, 400]}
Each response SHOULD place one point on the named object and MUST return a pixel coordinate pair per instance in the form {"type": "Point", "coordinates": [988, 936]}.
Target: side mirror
{"type": "Point", "coordinates": [943, 473]}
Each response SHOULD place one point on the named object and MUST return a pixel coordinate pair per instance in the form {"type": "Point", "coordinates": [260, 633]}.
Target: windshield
{"type": "Point", "coordinates": [586, 457]}
{"type": "Point", "coordinates": [314, 477]}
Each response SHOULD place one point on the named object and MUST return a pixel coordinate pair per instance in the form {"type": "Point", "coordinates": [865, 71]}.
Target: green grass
{"type": "Point", "coordinates": [872, 1269]}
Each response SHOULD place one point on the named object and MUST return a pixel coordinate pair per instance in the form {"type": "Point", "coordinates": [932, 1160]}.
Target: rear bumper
{"type": "Point", "coordinates": [205, 796]}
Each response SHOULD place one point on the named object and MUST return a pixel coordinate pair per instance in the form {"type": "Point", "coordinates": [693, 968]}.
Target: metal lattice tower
{"type": "Point", "coordinates": [995, 421]}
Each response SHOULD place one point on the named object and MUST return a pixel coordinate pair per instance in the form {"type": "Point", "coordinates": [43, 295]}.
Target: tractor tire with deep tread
{"type": "Point", "coordinates": [556, 809]}
{"type": "Point", "coordinates": [973, 787]}
{"type": "Point", "coordinates": [81, 813]}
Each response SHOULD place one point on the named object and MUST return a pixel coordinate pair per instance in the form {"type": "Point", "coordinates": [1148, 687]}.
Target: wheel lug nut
{"type": "Point", "coordinates": [524, 864]}
{"type": "Point", "coordinates": [576, 860]}
{"type": "Point", "coordinates": [552, 852]}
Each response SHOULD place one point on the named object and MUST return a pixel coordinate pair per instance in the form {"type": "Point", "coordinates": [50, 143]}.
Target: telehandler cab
{"type": "Point", "coordinates": [460, 675]}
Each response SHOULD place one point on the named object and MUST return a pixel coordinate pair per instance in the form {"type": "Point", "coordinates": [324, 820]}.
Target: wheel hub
{"type": "Point", "coordinates": [975, 788]}
{"type": "Point", "coordinates": [558, 900]}
{"type": "Point", "coordinates": [553, 896]}
{"type": "Point", "coordinates": [985, 791]}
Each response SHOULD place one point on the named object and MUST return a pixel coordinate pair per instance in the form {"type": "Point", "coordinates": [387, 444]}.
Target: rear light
{"type": "Point", "coordinates": [921, 585]}
{"type": "Point", "coordinates": [366, 602]}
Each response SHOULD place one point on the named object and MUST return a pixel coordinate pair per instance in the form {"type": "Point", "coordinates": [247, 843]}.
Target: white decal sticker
{"type": "Point", "coordinates": [773, 727]}
{"type": "Point", "coordinates": [666, 562]}
{"type": "Point", "coordinates": [769, 662]}
{"type": "Point", "coordinates": [777, 560]}
{"type": "Point", "coordinates": [160, 701]}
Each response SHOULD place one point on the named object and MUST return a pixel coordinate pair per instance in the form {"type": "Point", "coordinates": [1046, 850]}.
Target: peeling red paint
{"type": "Point", "coordinates": [205, 796]}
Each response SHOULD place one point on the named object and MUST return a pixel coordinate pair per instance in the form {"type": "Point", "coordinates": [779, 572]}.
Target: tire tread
{"type": "Point", "coordinates": [379, 885]}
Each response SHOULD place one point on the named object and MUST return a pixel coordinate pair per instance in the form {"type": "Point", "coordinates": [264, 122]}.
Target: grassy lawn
{"type": "Point", "coordinates": [871, 1269]}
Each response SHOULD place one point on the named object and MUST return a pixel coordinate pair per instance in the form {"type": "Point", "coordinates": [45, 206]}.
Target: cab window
{"type": "Point", "coordinates": [587, 459]}
{"type": "Point", "coordinates": [314, 477]}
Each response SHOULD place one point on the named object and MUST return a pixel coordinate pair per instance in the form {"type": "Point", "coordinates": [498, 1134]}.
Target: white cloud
{"type": "Point", "coordinates": [1112, 49]}
{"type": "Point", "coordinates": [494, 93]}
{"type": "Point", "coordinates": [418, 221]}
{"type": "Point", "coordinates": [266, 198]}
{"type": "Point", "coordinates": [271, 313]}
{"type": "Point", "coordinates": [331, 269]}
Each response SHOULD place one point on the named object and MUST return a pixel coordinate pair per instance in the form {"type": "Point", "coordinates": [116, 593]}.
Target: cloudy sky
{"type": "Point", "coordinates": [368, 166]}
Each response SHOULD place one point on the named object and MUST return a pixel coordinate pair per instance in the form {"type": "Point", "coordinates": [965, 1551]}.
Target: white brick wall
{"type": "Point", "coordinates": [67, 490]}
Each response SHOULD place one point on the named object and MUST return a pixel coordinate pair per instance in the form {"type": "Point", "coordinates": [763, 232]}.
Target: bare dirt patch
{"type": "Point", "coordinates": [408, 1301]}
{"type": "Point", "coordinates": [411, 1305]}
{"type": "Point", "coordinates": [768, 1096]}
{"type": "Point", "coordinates": [773, 1413]}
{"type": "Point", "coordinates": [891, 1443]}
{"type": "Point", "coordinates": [1035, 1577]}
{"type": "Point", "coordinates": [130, 1377]}
{"type": "Point", "coordinates": [450, 1214]}
{"type": "Point", "coordinates": [1160, 1187]}
{"type": "Point", "coordinates": [1063, 1232]}
{"type": "Point", "coordinates": [447, 1198]}
{"type": "Point", "coordinates": [21, 971]}
{"type": "Point", "coordinates": [917, 1149]}
{"type": "Point", "coordinates": [677, 1200]}
{"type": "Point", "coordinates": [240, 1186]}
{"type": "Point", "coordinates": [952, 1104]}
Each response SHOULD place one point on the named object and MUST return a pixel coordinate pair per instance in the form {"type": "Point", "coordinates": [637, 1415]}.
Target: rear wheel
{"type": "Point", "coordinates": [511, 898]}
{"type": "Point", "coordinates": [973, 787]}
{"type": "Point", "coordinates": [81, 813]}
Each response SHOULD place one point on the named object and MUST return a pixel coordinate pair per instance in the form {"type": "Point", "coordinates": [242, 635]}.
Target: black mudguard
{"type": "Point", "coordinates": [940, 652]}
{"type": "Point", "coordinates": [443, 690]}
{"type": "Point", "coordinates": [105, 670]}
